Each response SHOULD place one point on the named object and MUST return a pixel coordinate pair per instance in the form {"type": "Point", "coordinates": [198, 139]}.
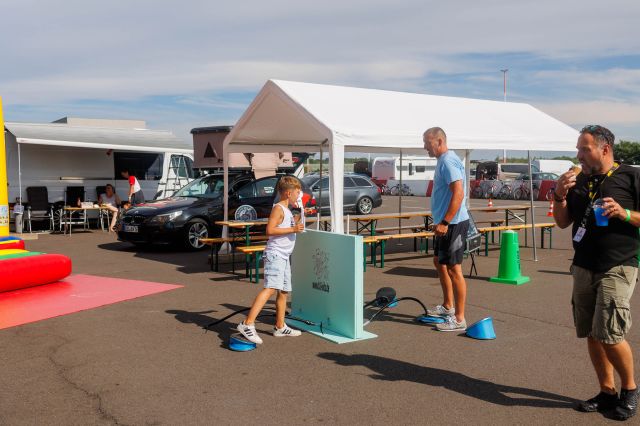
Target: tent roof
{"type": "Point", "coordinates": [122, 139]}
{"type": "Point", "coordinates": [288, 114]}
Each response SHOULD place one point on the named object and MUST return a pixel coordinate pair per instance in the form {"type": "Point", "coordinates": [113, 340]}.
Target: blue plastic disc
{"type": "Point", "coordinates": [428, 319]}
{"type": "Point", "coordinates": [237, 342]}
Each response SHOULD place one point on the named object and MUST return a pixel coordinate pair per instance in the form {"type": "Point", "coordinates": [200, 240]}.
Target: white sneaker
{"type": "Point", "coordinates": [286, 331]}
{"type": "Point", "coordinates": [249, 331]}
{"type": "Point", "coordinates": [452, 325]}
{"type": "Point", "coordinates": [441, 311]}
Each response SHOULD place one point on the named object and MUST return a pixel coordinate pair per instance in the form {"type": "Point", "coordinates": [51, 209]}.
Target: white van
{"type": "Point", "coordinates": [91, 153]}
{"type": "Point", "coordinates": [414, 168]}
{"type": "Point", "coordinates": [553, 166]}
{"type": "Point", "coordinates": [491, 170]}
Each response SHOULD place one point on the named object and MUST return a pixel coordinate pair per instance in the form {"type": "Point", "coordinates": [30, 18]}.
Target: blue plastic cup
{"type": "Point", "coordinates": [598, 211]}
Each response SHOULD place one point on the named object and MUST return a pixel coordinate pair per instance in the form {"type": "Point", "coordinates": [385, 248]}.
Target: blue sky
{"type": "Point", "coordinates": [180, 65]}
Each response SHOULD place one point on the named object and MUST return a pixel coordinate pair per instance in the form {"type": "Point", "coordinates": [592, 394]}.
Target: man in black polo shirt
{"type": "Point", "coordinates": [605, 265]}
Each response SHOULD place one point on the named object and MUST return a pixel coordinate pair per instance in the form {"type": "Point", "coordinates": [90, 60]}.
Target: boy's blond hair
{"type": "Point", "coordinates": [288, 183]}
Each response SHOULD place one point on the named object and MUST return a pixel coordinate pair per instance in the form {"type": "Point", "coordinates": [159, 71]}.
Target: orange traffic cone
{"type": "Point", "coordinates": [490, 203]}
{"type": "Point", "coordinates": [550, 212]}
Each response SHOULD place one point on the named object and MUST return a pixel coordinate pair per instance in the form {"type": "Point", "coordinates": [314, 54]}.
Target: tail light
{"type": "Point", "coordinates": [379, 189]}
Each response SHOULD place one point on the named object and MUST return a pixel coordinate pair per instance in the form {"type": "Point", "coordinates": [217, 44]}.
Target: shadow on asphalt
{"type": "Point", "coordinates": [224, 328]}
{"type": "Point", "coordinates": [549, 271]}
{"type": "Point", "coordinates": [408, 271]}
{"type": "Point", "coordinates": [394, 370]}
{"type": "Point", "coordinates": [187, 262]}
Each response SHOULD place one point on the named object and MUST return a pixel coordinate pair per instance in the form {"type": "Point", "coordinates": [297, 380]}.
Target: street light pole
{"type": "Point", "coordinates": [504, 83]}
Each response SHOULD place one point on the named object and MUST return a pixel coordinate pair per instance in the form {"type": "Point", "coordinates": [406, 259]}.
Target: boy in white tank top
{"type": "Point", "coordinates": [281, 229]}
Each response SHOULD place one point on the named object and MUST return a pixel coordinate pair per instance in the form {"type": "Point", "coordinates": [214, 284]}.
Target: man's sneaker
{"type": "Point", "coordinates": [286, 331]}
{"type": "Point", "coordinates": [441, 311]}
{"type": "Point", "coordinates": [627, 404]}
{"type": "Point", "coordinates": [601, 402]}
{"type": "Point", "coordinates": [249, 331]}
{"type": "Point", "coordinates": [452, 325]}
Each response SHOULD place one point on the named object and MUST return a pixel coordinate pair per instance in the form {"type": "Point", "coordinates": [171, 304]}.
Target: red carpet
{"type": "Point", "coordinates": [73, 294]}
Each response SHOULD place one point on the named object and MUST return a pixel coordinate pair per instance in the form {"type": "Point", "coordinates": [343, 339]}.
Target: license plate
{"type": "Point", "coordinates": [130, 228]}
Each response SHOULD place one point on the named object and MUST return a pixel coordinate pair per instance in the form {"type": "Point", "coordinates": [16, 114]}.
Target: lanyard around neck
{"type": "Point", "coordinates": [593, 191]}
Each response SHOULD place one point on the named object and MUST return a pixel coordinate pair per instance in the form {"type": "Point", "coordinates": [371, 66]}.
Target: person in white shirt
{"type": "Point", "coordinates": [110, 200]}
{"type": "Point", "coordinates": [135, 190]}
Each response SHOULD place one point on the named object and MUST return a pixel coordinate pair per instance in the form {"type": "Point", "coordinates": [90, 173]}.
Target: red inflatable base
{"type": "Point", "coordinates": [12, 244]}
{"type": "Point", "coordinates": [29, 271]}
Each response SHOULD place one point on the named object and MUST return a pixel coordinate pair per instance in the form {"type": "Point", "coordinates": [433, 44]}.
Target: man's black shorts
{"type": "Point", "coordinates": [450, 247]}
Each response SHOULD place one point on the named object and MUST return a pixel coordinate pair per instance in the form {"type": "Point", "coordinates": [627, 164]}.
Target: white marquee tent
{"type": "Point", "coordinates": [304, 117]}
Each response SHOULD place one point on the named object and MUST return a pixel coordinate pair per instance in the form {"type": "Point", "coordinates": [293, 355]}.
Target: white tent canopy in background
{"type": "Point", "coordinates": [304, 117]}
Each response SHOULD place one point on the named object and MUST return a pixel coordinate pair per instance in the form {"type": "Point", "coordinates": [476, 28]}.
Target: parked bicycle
{"type": "Point", "coordinates": [400, 190]}
{"type": "Point", "coordinates": [523, 192]}
{"type": "Point", "coordinates": [505, 192]}
{"type": "Point", "coordinates": [492, 189]}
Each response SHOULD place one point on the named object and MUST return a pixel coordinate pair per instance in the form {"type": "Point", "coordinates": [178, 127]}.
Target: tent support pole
{"type": "Point", "coordinates": [225, 248]}
{"type": "Point", "coordinates": [400, 198]}
{"type": "Point", "coordinates": [533, 213]}
{"type": "Point", "coordinates": [467, 176]}
{"type": "Point", "coordinates": [19, 177]}
{"type": "Point", "coordinates": [320, 183]}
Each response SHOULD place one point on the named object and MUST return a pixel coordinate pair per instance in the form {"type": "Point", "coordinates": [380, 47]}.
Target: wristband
{"type": "Point", "coordinates": [628, 218]}
{"type": "Point", "coordinates": [558, 199]}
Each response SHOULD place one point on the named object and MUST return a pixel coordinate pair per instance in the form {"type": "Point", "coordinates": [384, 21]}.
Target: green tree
{"type": "Point", "coordinates": [627, 152]}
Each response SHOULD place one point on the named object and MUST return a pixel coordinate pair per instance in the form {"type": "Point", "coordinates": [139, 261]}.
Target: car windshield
{"type": "Point", "coordinates": [204, 187]}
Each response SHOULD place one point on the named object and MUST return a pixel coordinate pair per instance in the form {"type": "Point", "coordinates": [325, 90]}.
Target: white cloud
{"type": "Point", "coordinates": [621, 117]}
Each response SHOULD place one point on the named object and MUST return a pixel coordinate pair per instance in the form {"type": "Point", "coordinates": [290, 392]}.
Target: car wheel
{"type": "Point", "coordinates": [194, 230]}
{"type": "Point", "coordinates": [364, 205]}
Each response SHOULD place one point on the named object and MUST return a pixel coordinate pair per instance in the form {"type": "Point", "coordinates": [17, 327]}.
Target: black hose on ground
{"type": "Point", "coordinates": [287, 316]}
{"type": "Point", "coordinates": [379, 311]}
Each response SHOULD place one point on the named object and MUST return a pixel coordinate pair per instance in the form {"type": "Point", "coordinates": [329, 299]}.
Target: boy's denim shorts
{"type": "Point", "coordinates": [277, 272]}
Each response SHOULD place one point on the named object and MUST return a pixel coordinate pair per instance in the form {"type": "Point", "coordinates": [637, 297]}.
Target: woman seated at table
{"type": "Point", "coordinates": [110, 201]}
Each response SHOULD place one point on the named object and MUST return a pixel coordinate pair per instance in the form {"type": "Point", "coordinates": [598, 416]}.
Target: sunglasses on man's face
{"type": "Point", "coordinates": [596, 130]}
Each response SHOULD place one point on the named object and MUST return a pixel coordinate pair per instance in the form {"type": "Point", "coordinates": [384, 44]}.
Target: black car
{"type": "Point", "coordinates": [360, 193]}
{"type": "Point", "coordinates": [191, 213]}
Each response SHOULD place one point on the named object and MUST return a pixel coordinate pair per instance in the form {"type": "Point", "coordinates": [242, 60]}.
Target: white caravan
{"type": "Point", "coordinates": [553, 166]}
{"type": "Point", "coordinates": [91, 153]}
{"type": "Point", "coordinates": [413, 168]}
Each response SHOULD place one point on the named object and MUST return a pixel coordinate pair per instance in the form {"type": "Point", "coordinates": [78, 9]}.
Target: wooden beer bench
{"type": "Point", "coordinates": [546, 228]}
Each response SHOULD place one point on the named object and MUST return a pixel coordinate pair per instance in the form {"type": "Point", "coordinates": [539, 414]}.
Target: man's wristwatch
{"type": "Point", "coordinates": [444, 222]}
{"type": "Point", "coordinates": [557, 198]}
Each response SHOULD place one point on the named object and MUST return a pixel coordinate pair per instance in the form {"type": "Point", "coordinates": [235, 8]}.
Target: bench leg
{"type": "Point", "coordinates": [364, 257]}
{"type": "Point", "coordinates": [486, 244]}
{"type": "Point", "coordinates": [233, 259]}
{"type": "Point", "coordinates": [382, 244]}
{"type": "Point", "coordinates": [257, 259]}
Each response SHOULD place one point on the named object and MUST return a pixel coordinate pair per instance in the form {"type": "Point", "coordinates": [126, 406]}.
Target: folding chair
{"type": "Point", "coordinates": [39, 208]}
{"type": "Point", "coordinates": [473, 244]}
{"type": "Point", "coordinates": [71, 196]}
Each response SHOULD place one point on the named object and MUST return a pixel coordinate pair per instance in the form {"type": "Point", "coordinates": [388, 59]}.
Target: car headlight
{"type": "Point", "coordinates": [164, 218]}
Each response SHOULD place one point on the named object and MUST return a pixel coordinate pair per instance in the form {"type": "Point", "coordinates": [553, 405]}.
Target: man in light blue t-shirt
{"type": "Point", "coordinates": [451, 223]}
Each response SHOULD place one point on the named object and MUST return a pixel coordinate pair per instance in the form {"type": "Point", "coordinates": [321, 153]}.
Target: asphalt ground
{"type": "Point", "coordinates": [148, 361]}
